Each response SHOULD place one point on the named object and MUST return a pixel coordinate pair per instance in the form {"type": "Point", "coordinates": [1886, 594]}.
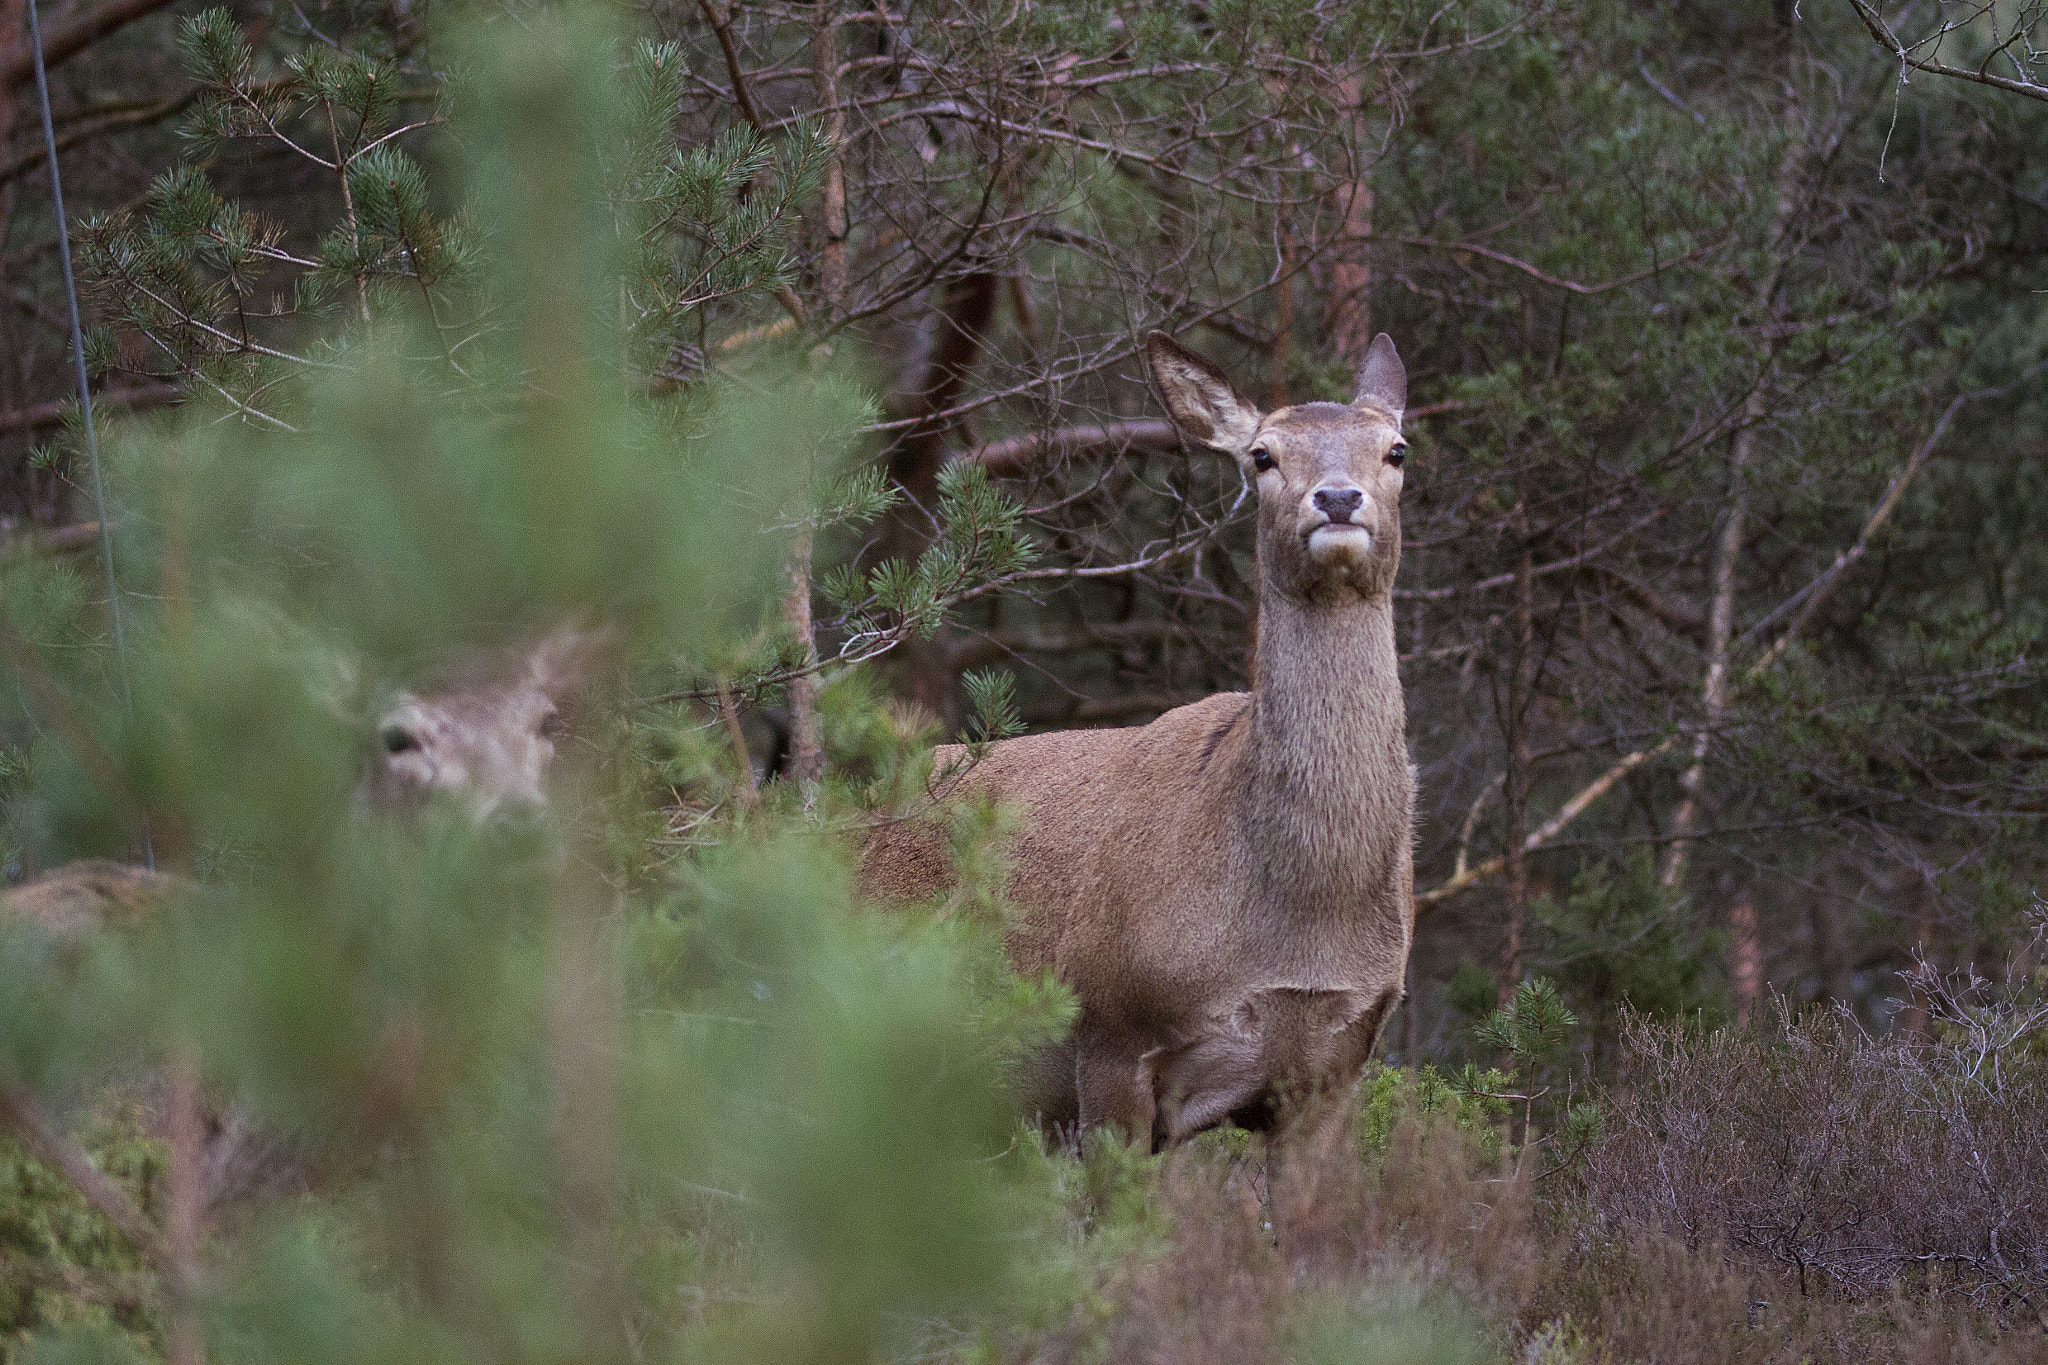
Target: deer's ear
{"type": "Point", "coordinates": [1201, 402]}
{"type": "Point", "coordinates": [564, 662]}
{"type": "Point", "coordinates": [1382, 379]}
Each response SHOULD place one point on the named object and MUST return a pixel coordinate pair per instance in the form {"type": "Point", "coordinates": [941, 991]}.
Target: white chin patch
{"type": "Point", "coordinates": [1339, 541]}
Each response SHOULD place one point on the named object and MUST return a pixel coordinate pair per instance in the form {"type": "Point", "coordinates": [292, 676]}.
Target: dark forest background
{"type": "Point", "coordinates": [1725, 585]}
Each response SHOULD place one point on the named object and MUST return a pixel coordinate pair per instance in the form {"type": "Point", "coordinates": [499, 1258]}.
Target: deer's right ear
{"type": "Point", "coordinates": [1199, 399]}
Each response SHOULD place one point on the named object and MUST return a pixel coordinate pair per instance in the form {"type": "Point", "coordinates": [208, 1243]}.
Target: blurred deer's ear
{"type": "Point", "coordinates": [1382, 379]}
{"type": "Point", "coordinates": [1201, 402]}
{"type": "Point", "coordinates": [566, 661]}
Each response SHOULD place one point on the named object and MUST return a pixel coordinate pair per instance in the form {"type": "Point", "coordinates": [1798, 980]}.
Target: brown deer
{"type": "Point", "coordinates": [485, 738]}
{"type": "Point", "coordinates": [1228, 890]}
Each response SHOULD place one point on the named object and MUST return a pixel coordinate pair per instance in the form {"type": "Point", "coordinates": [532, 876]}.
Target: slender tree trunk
{"type": "Point", "coordinates": [1350, 305]}
{"type": "Point", "coordinates": [1830, 947]}
{"type": "Point", "coordinates": [1912, 1021]}
{"type": "Point", "coordinates": [1720, 630]}
{"type": "Point", "coordinates": [1283, 318]}
{"type": "Point", "coordinates": [183, 1208]}
{"type": "Point", "coordinates": [1727, 557]}
{"type": "Point", "coordinates": [966, 310]}
{"type": "Point", "coordinates": [583, 1023]}
{"type": "Point", "coordinates": [1745, 958]}
{"type": "Point", "coordinates": [806, 753]}
{"type": "Point", "coordinates": [1515, 785]}
{"type": "Point", "coordinates": [832, 213]}
{"type": "Point", "coordinates": [13, 45]}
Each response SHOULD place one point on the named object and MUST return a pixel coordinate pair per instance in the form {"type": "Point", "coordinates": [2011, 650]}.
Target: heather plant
{"type": "Point", "coordinates": [797, 339]}
{"type": "Point", "coordinates": [1852, 1167]}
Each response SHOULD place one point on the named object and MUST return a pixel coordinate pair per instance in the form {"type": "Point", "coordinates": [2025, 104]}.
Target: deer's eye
{"type": "Point", "coordinates": [552, 726]}
{"type": "Point", "coordinates": [397, 740]}
{"type": "Point", "coordinates": [1262, 459]}
{"type": "Point", "coordinates": [1397, 454]}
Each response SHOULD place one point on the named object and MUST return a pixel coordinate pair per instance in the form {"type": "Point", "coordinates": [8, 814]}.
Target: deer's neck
{"type": "Point", "coordinates": [1331, 797]}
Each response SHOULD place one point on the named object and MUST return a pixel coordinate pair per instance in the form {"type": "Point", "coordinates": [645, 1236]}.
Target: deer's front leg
{"type": "Point", "coordinates": [1314, 1123]}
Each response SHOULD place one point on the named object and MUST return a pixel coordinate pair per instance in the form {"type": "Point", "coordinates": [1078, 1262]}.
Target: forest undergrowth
{"type": "Point", "coordinates": [1783, 1194]}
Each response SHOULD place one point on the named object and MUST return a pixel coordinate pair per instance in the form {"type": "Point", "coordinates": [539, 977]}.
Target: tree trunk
{"type": "Point", "coordinates": [925, 667]}
{"type": "Point", "coordinates": [1912, 1021]}
{"type": "Point", "coordinates": [806, 752]}
{"type": "Point", "coordinates": [1720, 630]}
{"type": "Point", "coordinates": [1725, 581]}
{"type": "Point", "coordinates": [1745, 958]}
{"type": "Point", "coordinates": [1830, 947]}
{"type": "Point", "coordinates": [1515, 785]}
{"type": "Point", "coordinates": [1350, 301]}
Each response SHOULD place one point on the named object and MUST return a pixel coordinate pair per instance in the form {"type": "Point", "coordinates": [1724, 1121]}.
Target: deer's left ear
{"type": "Point", "coordinates": [1382, 379]}
{"type": "Point", "coordinates": [1199, 398]}
{"type": "Point", "coordinates": [565, 661]}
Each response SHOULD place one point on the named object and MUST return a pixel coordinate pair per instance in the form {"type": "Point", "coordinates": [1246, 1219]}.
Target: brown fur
{"type": "Point", "coordinates": [1228, 890]}
{"type": "Point", "coordinates": [86, 894]}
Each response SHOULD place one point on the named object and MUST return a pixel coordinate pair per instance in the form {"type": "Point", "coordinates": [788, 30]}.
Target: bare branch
{"type": "Point", "coordinates": [1890, 42]}
{"type": "Point", "coordinates": [723, 28]}
{"type": "Point", "coordinates": [75, 35]}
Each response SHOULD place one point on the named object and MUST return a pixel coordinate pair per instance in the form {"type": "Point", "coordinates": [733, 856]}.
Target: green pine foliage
{"type": "Point", "coordinates": [564, 1091]}
{"type": "Point", "coordinates": [545, 342]}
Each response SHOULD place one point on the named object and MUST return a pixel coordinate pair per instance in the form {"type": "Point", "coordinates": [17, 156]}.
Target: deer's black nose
{"type": "Point", "coordinates": [1338, 503]}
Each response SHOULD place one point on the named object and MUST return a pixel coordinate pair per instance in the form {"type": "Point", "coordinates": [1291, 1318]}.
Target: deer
{"type": "Point", "coordinates": [483, 740]}
{"type": "Point", "coordinates": [1228, 891]}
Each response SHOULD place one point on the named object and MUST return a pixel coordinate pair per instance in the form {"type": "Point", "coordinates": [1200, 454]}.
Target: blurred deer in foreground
{"type": "Point", "coordinates": [484, 738]}
{"type": "Point", "coordinates": [1229, 890]}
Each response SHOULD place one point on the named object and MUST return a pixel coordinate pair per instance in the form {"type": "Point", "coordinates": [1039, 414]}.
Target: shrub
{"type": "Point", "coordinates": [1860, 1168]}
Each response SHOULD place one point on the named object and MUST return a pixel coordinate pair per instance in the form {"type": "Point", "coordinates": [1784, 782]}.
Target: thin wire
{"type": "Point", "coordinates": [92, 443]}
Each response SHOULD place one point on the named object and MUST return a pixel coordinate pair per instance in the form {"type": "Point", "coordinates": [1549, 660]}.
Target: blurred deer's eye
{"type": "Point", "coordinates": [399, 741]}
{"type": "Point", "coordinates": [552, 725]}
{"type": "Point", "coordinates": [1397, 454]}
{"type": "Point", "coordinates": [1262, 459]}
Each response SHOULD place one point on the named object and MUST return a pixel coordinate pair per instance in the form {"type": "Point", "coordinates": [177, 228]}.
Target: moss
{"type": "Point", "coordinates": [64, 1266]}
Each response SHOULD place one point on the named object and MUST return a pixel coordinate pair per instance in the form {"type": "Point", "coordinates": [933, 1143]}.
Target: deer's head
{"type": "Point", "coordinates": [486, 740]}
{"type": "Point", "coordinates": [1328, 475]}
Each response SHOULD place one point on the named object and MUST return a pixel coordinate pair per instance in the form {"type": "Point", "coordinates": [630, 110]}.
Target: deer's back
{"type": "Point", "coordinates": [1123, 831]}
{"type": "Point", "coordinates": [82, 896]}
